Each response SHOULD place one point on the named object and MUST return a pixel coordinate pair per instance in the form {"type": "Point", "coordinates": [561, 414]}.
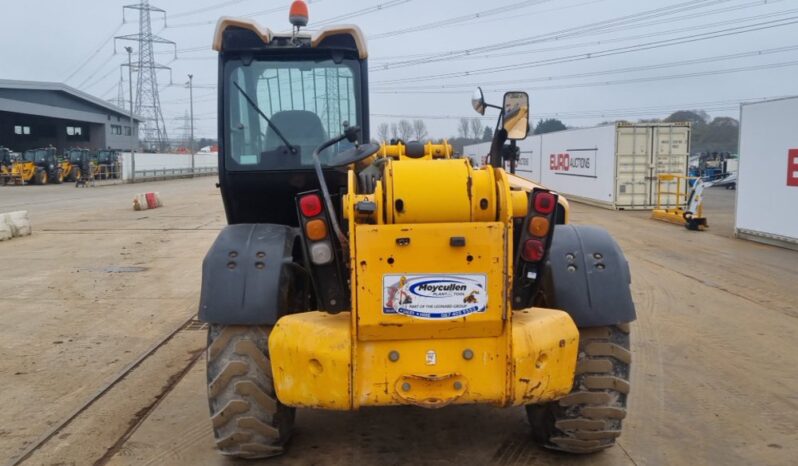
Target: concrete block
{"type": "Point", "coordinates": [17, 222]}
{"type": "Point", "coordinates": [5, 231]}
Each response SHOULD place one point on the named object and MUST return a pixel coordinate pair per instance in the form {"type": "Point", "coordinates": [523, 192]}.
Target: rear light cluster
{"type": "Point", "coordinates": [534, 241]}
{"type": "Point", "coordinates": [538, 225]}
{"type": "Point", "coordinates": [323, 261]}
{"type": "Point", "coordinates": [314, 226]}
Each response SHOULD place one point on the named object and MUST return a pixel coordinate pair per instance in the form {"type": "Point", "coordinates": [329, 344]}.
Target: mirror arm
{"type": "Point", "coordinates": [325, 192]}
{"type": "Point", "coordinates": [513, 152]}
{"type": "Point", "coordinates": [495, 155]}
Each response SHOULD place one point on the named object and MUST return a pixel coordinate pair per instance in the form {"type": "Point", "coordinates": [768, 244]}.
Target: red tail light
{"type": "Point", "coordinates": [545, 202]}
{"type": "Point", "coordinates": [533, 250]}
{"type": "Point", "coordinates": [310, 205]}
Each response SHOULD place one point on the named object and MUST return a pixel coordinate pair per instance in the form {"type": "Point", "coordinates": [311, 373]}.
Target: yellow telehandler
{"type": "Point", "coordinates": [7, 159]}
{"type": "Point", "coordinates": [36, 166]}
{"type": "Point", "coordinates": [72, 162]}
{"type": "Point", "coordinates": [353, 275]}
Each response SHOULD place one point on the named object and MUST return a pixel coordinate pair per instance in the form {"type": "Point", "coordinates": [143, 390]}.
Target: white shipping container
{"type": "Point", "coordinates": [613, 166]}
{"type": "Point", "coordinates": [767, 183]}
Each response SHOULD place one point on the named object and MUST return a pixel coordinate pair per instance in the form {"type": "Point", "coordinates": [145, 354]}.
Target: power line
{"type": "Point", "coordinates": [515, 53]}
{"type": "Point", "coordinates": [558, 35]}
{"type": "Point", "coordinates": [554, 78]}
{"type": "Point", "coordinates": [207, 8]}
{"type": "Point", "coordinates": [604, 53]}
{"type": "Point", "coordinates": [361, 12]}
{"type": "Point", "coordinates": [536, 12]}
{"type": "Point", "coordinates": [246, 15]}
{"type": "Point", "coordinates": [767, 66]}
{"type": "Point", "coordinates": [458, 19]}
{"type": "Point", "coordinates": [98, 80]}
{"type": "Point", "coordinates": [95, 53]}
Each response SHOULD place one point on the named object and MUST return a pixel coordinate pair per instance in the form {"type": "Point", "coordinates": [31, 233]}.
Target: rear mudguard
{"type": "Point", "coordinates": [249, 276]}
{"type": "Point", "coordinates": [588, 277]}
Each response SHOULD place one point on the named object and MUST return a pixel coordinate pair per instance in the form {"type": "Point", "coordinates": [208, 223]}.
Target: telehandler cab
{"type": "Point", "coordinates": [355, 275]}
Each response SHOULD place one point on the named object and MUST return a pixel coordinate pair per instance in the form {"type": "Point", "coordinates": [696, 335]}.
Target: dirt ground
{"type": "Point", "coordinates": [714, 378]}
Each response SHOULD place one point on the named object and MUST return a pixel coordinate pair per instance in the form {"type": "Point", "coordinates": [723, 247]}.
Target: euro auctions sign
{"type": "Point", "coordinates": [574, 162]}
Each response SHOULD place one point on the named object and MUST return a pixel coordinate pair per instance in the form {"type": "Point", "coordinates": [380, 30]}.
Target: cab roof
{"type": "Point", "coordinates": [266, 35]}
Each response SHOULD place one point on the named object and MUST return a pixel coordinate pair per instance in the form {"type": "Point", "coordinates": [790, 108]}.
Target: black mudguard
{"type": "Point", "coordinates": [248, 277]}
{"type": "Point", "coordinates": [588, 276]}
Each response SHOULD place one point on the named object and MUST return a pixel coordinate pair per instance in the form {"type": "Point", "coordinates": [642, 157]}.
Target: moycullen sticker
{"type": "Point", "coordinates": [434, 296]}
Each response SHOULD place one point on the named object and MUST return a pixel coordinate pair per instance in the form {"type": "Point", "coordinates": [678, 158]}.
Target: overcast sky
{"type": "Point", "coordinates": [574, 64]}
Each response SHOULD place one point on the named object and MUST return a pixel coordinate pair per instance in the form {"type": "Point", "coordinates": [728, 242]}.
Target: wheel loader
{"type": "Point", "coordinates": [354, 275]}
{"type": "Point", "coordinates": [37, 166]}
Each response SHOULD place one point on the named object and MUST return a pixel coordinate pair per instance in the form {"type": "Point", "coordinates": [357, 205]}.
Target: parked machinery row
{"type": "Point", "coordinates": [45, 166]}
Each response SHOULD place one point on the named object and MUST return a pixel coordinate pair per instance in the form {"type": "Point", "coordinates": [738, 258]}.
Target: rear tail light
{"type": "Point", "coordinates": [534, 240]}
{"type": "Point", "coordinates": [533, 250]}
{"type": "Point", "coordinates": [539, 226]}
{"type": "Point", "coordinates": [545, 202]}
{"type": "Point", "coordinates": [316, 229]}
{"type": "Point", "coordinates": [310, 205]}
{"type": "Point", "coordinates": [321, 253]}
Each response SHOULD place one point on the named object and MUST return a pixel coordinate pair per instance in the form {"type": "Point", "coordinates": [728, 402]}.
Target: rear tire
{"type": "Point", "coordinates": [589, 418]}
{"type": "Point", "coordinates": [248, 419]}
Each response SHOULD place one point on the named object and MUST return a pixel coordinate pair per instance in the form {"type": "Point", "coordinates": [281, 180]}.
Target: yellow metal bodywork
{"type": "Point", "coordinates": [66, 167]}
{"type": "Point", "coordinates": [317, 362]}
{"type": "Point", "coordinates": [674, 213]}
{"type": "Point", "coordinates": [428, 252]}
{"type": "Point", "coordinates": [22, 172]}
{"type": "Point", "coordinates": [441, 192]}
{"type": "Point", "coordinates": [372, 357]}
{"type": "Point", "coordinates": [432, 151]}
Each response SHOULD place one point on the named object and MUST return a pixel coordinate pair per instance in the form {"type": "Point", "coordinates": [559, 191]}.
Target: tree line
{"type": "Point", "coordinates": [719, 134]}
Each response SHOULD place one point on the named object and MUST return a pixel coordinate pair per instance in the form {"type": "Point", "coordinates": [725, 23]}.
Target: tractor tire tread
{"type": "Point", "coordinates": [589, 418]}
{"type": "Point", "coordinates": [247, 418]}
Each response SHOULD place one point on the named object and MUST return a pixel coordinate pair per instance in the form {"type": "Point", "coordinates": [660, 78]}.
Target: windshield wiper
{"type": "Point", "coordinates": [271, 125]}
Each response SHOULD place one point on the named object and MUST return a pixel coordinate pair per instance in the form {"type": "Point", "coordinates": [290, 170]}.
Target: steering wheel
{"type": "Point", "coordinates": [354, 155]}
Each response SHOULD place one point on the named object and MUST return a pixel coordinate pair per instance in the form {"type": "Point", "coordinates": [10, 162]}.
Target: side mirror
{"type": "Point", "coordinates": [478, 101]}
{"type": "Point", "coordinates": [515, 119]}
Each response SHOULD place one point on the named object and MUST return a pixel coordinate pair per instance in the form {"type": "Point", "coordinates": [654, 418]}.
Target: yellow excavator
{"type": "Point", "coordinates": [353, 275]}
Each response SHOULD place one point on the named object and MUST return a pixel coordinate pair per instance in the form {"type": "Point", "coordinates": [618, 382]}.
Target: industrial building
{"type": "Point", "coordinates": [38, 114]}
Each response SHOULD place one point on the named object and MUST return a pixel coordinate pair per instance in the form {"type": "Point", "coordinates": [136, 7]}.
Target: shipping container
{"type": "Point", "coordinates": [767, 177]}
{"type": "Point", "coordinates": [614, 166]}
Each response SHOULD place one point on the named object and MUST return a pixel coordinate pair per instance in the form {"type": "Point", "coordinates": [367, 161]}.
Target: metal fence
{"type": "Point", "coordinates": [140, 176]}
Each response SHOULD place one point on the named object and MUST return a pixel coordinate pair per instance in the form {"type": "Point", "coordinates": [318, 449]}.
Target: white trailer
{"type": "Point", "coordinates": [767, 185]}
{"type": "Point", "coordinates": [614, 166]}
